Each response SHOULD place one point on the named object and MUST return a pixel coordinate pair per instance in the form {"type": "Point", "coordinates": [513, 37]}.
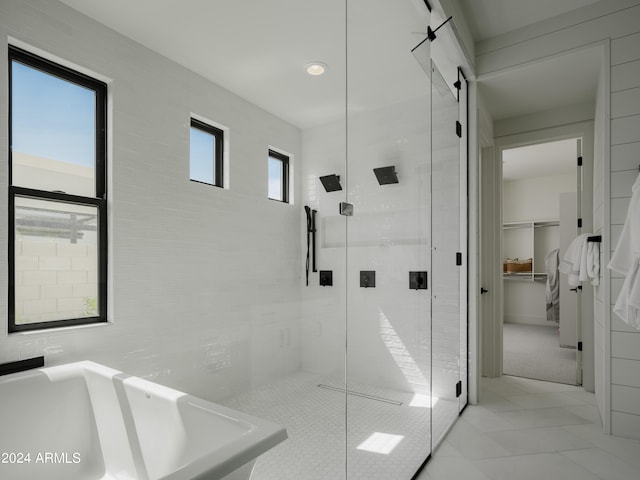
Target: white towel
{"type": "Point", "coordinates": [572, 262]}
{"type": "Point", "coordinates": [581, 261]}
{"type": "Point", "coordinates": [626, 260]}
{"type": "Point", "coordinates": [593, 262]}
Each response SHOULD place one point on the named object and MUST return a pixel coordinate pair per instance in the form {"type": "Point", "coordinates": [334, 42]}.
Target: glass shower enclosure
{"type": "Point", "coordinates": [376, 371]}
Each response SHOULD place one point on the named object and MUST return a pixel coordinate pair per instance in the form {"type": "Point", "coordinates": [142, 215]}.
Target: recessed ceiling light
{"type": "Point", "coordinates": [316, 68]}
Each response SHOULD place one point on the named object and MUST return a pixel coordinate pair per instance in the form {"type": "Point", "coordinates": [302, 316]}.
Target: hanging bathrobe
{"type": "Point", "coordinates": [552, 289]}
{"type": "Point", "coordinates": [626, 260]}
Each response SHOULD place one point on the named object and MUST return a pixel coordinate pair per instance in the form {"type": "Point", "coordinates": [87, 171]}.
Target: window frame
{"type": "Point", "coordinates": [218, 152]}
{"type": "Point", "coordinates": [285, 159]}
{"type": "Point", "coordinates": [55, 69]}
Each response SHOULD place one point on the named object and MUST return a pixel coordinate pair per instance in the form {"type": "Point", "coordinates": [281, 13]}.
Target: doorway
{"type": "Point", "coordinates": [541, 185]}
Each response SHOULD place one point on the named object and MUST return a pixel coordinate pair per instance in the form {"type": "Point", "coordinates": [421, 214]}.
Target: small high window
{"type": "Point", "coordinates": [278, 176]}
{"type": "Point", "coordinates": [206, 153]}
{"type": "Point", "coordinates": [57, 195]}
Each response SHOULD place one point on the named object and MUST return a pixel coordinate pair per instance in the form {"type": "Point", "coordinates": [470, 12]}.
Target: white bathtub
{"type": "Point", "coordinates": [87, 421]}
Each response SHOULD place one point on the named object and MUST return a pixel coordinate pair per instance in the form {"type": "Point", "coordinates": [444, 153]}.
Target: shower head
{"type": "Point", "coordinates": [386, 175]}
{"type": "Point", "coordinates": [331, 183]}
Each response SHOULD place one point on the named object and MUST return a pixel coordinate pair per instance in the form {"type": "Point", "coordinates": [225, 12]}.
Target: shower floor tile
{"type": "Point", "coordinates": [315, 421]}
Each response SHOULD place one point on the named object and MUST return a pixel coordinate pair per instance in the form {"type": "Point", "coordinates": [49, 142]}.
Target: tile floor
{"type": "Point", "coordinates": [315, 421]}
{"type": "Point", "coordinates": [531, 430]}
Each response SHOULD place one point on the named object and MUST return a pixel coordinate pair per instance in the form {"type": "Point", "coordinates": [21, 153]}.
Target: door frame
{"type": "Point", "coordinates": [492, 342]}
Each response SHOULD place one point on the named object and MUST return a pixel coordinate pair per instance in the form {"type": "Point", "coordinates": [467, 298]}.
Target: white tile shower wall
{"type": "Point", "coordinates": [388, 233]}
{"type": "Point", "coordinates": [205, 282]}
{"type": "Point", "coordinates": [618, 21]}
{"type": "Point", "coordinates": [323, 315]}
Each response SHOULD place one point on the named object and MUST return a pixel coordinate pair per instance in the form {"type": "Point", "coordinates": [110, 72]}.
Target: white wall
{"type": "Point", "coordinates": [204, 282]}
{"type": "Point", "coordinates": [617, 22]}
{"type": "Point", "coordinates": [535, 198]}
{"type": "Point", "coordinates": [625, 160]}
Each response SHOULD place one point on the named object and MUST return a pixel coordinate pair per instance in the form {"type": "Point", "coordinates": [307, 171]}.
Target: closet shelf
{"type": "Point", "coordinates": [532, 226]}
{"type": "Point", "coordinates": [537, 277]}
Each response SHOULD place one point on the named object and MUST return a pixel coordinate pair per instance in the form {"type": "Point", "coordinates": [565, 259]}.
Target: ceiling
{"type": "Point", "coordinates": [258, 50]}
{"type": "Point", "coordinates": [540, 160]}
{"type": "Point", "coordinates": [562, 81]}
{"type": "Point", "coordinates": [490, 18]}
{"type": "Point", "coordinates": [565, 80]}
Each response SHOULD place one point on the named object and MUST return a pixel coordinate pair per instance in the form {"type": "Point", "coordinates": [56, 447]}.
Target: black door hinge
{"type": "Point", "coordinates": [458, 258]}
{"type": "Point", "coordinates": [579, 346]}
{"type": "Point", "coordinates": [579, 161]}
{"type": "Point", "coordinates": [458, 388]}
{"type": "Point", "coordinates": [579, 223]}
{"type": "Point", "coordinates": [458, 129]}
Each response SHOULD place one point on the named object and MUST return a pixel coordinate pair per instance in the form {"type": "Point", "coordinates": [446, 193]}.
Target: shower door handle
{"type": "Point", "coordinates": [483, 291]}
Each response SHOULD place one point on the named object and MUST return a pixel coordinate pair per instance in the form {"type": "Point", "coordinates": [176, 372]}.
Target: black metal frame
{"type": "Point", "coordinates": [99, 201]}
{"type": "Point", "coordinates": [218, 153]}
{"type": "Point", "coordinates": [285, 175]}
{"type": "Point", "coordinates": [21, 365]}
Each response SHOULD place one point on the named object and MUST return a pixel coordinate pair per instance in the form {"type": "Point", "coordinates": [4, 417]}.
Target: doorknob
{"type": "Point", "coordinates": [483, 290]}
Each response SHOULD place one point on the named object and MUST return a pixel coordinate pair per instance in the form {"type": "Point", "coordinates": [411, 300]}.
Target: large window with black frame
{"type": "Point", "coordinates": [57, 195]}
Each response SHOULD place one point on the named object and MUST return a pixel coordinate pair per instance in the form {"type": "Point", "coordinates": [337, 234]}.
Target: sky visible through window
{"type": "Point", "coordinates": [51, 117]}
{"type": "Point", "coordinates": [201, 156]}
{"type": "Point", "coordinates": [275, 178]}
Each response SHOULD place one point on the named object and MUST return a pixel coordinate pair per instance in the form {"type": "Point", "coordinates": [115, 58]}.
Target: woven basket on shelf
{"type": "Point", "coordinates": [513, 265]}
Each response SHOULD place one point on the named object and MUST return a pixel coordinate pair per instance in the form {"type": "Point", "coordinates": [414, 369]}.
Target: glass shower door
{"type": "Point", "coordinates": [446, 253]}
{"type": "Point", "coordinates": [388, 330]}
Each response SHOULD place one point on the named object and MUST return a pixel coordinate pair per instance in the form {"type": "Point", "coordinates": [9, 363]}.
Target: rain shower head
{"type": "Point", "coordinates": [331, 183]}
{"type": "Point", "coordinates": [386, 175]}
